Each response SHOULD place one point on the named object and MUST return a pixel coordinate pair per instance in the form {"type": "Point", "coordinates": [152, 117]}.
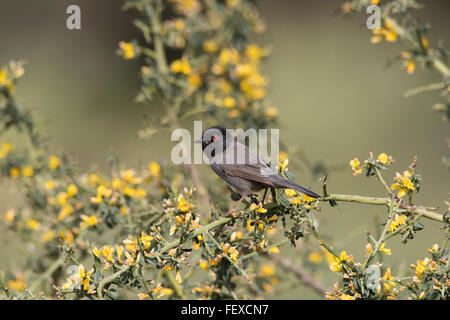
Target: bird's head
{"type": "Point", "coordinates": [215, 136]}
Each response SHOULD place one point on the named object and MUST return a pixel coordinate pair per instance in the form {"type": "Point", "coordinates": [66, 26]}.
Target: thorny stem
{"type": "Point", "coordinates": [380, 177]}
{"type": "Point", "coordinates": [385, 201]}
{"type": "Point", "coordinates": [381, 239]}
{"type": "Point", "coordinates": [242, 271]}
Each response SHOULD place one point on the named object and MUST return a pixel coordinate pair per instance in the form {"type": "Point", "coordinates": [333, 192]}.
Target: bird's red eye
{"type": "Point", "coordinates": [213, 138]}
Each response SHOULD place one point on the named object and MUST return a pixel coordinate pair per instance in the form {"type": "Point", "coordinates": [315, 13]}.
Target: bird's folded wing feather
{"type": "Point", "coordinates": [254, 172]}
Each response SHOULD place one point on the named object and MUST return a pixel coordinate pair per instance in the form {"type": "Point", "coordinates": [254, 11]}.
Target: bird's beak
{"type": "Point", "coordinates": [198, 141]}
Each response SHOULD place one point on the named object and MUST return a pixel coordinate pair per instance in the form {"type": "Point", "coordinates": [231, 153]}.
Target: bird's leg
{"type": "Point", "coordinates": [264, 196]}
{"type": "Point", "coordinates": [274, 195]}
{"type": "Point", "coordinates": [234, 206]}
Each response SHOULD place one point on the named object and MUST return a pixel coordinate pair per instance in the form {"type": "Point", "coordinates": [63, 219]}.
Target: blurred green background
{"type": "Point", "coordinates": [336, 98]}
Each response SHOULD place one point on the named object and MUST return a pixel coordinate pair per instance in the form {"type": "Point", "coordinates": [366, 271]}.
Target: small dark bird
{"type": "Point", "coordinates": [241, 168]}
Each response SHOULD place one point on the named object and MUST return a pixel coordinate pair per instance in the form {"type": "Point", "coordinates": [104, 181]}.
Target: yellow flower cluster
{"type": "Point", "coordinates": [298, 199]}
{"type": "Point", "coordinates": [81, 280]}
{"type": "Point", "coordinates": [387, 281]}
{"type": "Point", "coordinates": [356, 166]}
{"type": "Point", "coordinates": [128, 50]}
{"type": "Point", "coordinates": [386, 33]}
{"type": "Point", "coordinates": [399, 220]}
{"type": "Point", "coordinates": [230, 250]}
{"type": "Point", "coordinates": [403, 183]}
{"type": "Point", "coordinates": [335, 263]}
{"type": "Point", "coordinates": [89, 221]}
{"type": "Point", "coordinates": [18, 284]}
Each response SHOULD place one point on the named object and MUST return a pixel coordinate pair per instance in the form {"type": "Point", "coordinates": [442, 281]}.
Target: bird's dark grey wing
{"type": "Point", "coordinates": [254, 172]}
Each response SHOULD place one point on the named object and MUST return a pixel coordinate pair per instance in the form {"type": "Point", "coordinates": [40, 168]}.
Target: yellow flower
{"type": "Point", "coordinates": [383, 158]}
{"type": "Point", "coordinates": [165, 292]}
{"type": "Point", "coordinates": [181, 66]}
{"type": "Point", "coordinates": [182, 205]}
{"type": "Point", "coordinates": [282, 156]}
{"type": "Point", "coordinates": [253, 52]}
{"type": "Point", "coordinates": [103, 192]}
{"type": "Point", "coordinates": [48, 236]}
{"type": "Point", "coordinates": [66, 235]}
{"type": "Point", "coordinates": [229, 102]}
{"type": "Point", "coordinates": [434, 249]}
{"type": "Point", "coordinates": [17, 285]}
{"type": "Point", "coordinates": [140, 193]}
{"type": "Point", "coordinates": [62, 198]}
{"type": "Point", "coordinates": [266, 270]}
{"type": "Point", "coordinates": [398, 221]}
{"type": "Point", "coordinates": [233, 114]}
{"type": "Point", "coordinates": [5, 148]}
{"type": "Point", "coordinates": [180, 24]}
{"type": "Point", "coordinates": [424, 42]}
{"type": "Point", "coordinates": [32, 224]}
{"type": "Point", "coordinates": [72, 190]}
{"type": "Point", "coordinates": [3, 77]}
{"type": "Point", "coordinates": [385, 250]}
{"type": "Point", "coordinates": [306, 198]}
{"type": "Point", "coordinates": [284, 165]}
{"type": "Point", "coordinates": [387, 277]}
{"type": "Point", "coordinates": [194, 80]}
{"type": "Point", "coordinates": [65, 211]}
{"type": "Point", "coordinates": [343, 256]}
{"type": "Point", "coordinates": [261, 209]}
{"type": "Point", "coordinates": [27, 171]}
{"type": "Point", "coordinates": [178, 277]}
{"type": "Point", "coordinates": [119, 251]}
{"type": "Point", "coordinates": [390, 36]}
{"type": "Point", "coordinates": [128, 50]}
{"type": "Point", "coordinates": [130, 244]}
{"type": "Point", "coordinates": [229, 56]}
{"type": "Point", "coordinates": [403, 183]}
{"type": "Point", "coordinates": [374, 2]}
{"type": "Point", "coordinates": [9, 216]}
{"type": "Point", "coordinates": [296, 200]}
{"type": "Point", "coordinates": [142, 296]}
{"type": "Point", "coordinates": [14, 172]}
{"type": "Point", "coordinates": [290, 192]}
{"type": "Point", "coordinates": [49, 185]}
{"type": "Point", "coordinates": [376, 39]}
{"type": "Point", "coordinates": [97, 252]}
{"type": "Point", "coordinates": [410, 67]}
{"type": "Point", "coordinates": [210, 46]}
{"type": "Point", "coordinates": [421, 267]}
{"type": "Point", "coordinates": [107, 252]}
{"type": "Point", "coordinates": [274, 250]}
{"type": "Point", "coordinates": [88, 221]}
{"type": "Point", "coordinates": [271, 112]}
{"type": "Point", "coordinates": [368, 249]}
{"type": "Point", "coordinates": [355, 164]}
{"type": "Point", "coordinates": [203, 264]}
{"type": "Point", "coordinates": [53, 162]}
{"type": "Point", "coordinates": [146, 239]}
{"type": "Point", "coordinates": [235, 235]}
{"type": "Point", "coordinates": [346, 297]}
{"type": "Point", "coordinates": [116, 184]}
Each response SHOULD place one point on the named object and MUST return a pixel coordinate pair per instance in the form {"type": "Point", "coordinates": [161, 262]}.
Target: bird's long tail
{"type": "Point", "coordinates": [292, 185]}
